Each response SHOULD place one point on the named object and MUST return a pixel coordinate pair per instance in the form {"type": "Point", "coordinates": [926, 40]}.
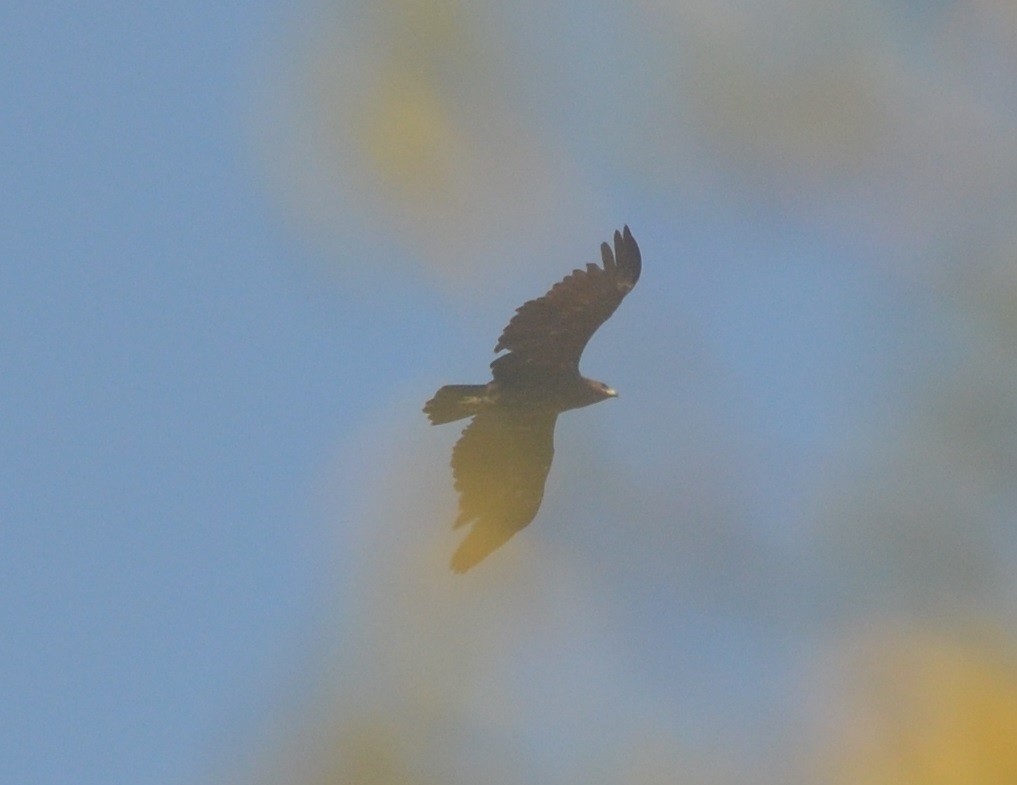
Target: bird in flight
{"type": "Point", "coordinates": [501, 461]}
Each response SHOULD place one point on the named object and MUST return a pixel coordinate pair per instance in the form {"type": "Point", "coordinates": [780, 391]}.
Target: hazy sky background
{"type": "Point", "coordinates": [242, 244]}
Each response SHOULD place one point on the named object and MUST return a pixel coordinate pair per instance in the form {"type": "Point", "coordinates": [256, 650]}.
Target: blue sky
{"type": "Point", "coordinates": [162, 364]}
{"type": "Point", "coordinates": [223, 302]}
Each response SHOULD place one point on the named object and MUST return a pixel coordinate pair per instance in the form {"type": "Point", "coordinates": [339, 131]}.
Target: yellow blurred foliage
{"type": "Point", "coordinates": [405, 127]}
{"type": "Point", "coordinates": [409, 138]}
{"type": "Point", "coordinates": [925, 708]}
{"type": "Point", "coordinates": [406, 121]}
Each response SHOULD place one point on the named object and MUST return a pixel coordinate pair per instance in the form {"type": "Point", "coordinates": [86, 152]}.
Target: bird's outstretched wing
{"type": "Point", "coordinates": [548, 335]}
{"type": "Point", "coordinates": [500, 464]}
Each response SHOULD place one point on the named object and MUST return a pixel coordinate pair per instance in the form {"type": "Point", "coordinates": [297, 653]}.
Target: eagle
{"type": "Point", "coordinates": [501, 461]}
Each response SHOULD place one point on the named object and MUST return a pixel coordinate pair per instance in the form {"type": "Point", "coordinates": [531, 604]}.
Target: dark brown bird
{"type": "Point", "coordinates": [501, 461]}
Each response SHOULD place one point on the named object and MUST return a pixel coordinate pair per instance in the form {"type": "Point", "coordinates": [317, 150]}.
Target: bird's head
{"type": "Point", "coordinates": [599, 391]}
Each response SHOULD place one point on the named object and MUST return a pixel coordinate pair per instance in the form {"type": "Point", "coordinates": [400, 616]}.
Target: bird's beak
{"type": "Point", "coordinates": [611, 393]}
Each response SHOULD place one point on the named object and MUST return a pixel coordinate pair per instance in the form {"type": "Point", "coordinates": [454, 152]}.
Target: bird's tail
{"type": "Point", "coordinates": [454, 402]}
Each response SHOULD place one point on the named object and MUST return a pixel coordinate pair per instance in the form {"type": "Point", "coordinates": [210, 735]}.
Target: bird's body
{"type": "Point", "coordinates": [501, 461]}
{"type": "Point", "coordinates": [554, 394]}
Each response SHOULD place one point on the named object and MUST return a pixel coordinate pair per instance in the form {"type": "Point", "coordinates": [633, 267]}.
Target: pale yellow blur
{"type": "Point", "coordinates": [438, 132]}
{"type": "Point", "coordinates": [917, 705]}
{"type": "Point", "coordinates": [399, 123]}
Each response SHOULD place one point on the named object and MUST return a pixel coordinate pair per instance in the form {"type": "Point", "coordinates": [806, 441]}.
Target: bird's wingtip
{"type": "Point", "coordinates": [627, 249]}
